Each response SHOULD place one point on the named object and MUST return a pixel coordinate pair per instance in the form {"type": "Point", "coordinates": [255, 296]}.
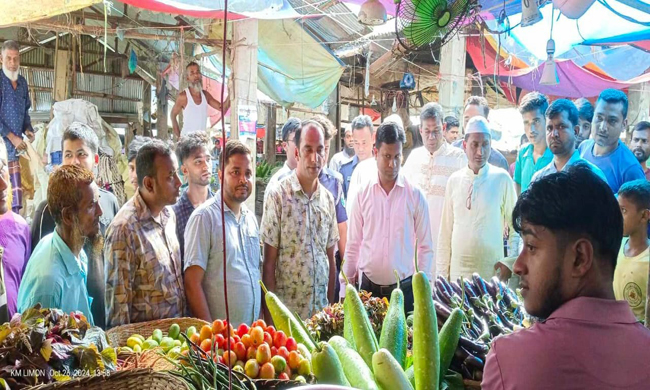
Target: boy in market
{"type": "Point", "coordinates": [631, 275]}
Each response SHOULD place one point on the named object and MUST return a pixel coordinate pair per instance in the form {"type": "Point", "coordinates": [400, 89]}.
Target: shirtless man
{"type": "Point", "coordinates": [195, 110]}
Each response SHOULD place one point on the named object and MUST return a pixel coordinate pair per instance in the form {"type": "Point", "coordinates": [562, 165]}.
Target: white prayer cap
{"type": "Point", "coordinates": [395, 119]}
{"type": "Point", "coordinates": [478, 125]}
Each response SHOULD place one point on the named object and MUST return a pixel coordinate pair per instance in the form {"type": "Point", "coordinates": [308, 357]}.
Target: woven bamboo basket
{"type": "Point", "coordinates": [146, 359]}
{"type": "Point", "coordinates": [118, 335]}
{"type": "Point", "coordinates": [141, 379]}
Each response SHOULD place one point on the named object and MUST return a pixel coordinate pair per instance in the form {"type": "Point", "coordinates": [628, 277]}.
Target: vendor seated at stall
{"type": "Point", "coordinates": [56, 273]}
{"type": "Point", "coordinates": [572, 226]}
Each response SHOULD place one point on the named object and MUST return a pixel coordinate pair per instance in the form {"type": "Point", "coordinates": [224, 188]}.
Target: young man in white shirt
{"type": "Point", "coordinates": [477, 211]}
{"type": "Point", "coordinates": [347, 154]}
{"type": "Point", "coordinates": [390, 217]}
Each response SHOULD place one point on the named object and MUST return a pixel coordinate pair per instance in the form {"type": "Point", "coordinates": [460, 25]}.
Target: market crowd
{"type": "Point", "coordinates": [571, 222]}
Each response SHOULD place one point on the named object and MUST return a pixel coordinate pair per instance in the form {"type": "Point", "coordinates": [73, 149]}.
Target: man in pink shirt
{"type": "Point", "coordinates": [389, 216]}
{"type": "Point", "coordinates": [572, 227]}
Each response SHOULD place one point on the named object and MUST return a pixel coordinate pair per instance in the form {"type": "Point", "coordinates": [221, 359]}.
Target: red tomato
{"type": "Point", "coordinates": [242, 330]}
{"type": "Point", "coordinates": [268, 339]}
{"type": "Point", "coordinates": [291, 345]}
{"type": "Point", "coordinates": [260, 323]}
{"type": "Point", "coordinates": [274, 351]}
{"type": "Point", "coordinates": [284, 352]}
{"type": "Point", "coordinates": [218, 326]}
{"type": "Point", "coordinates": [232, 344]}
{"type": "Point", "coordinates": [283, 376]}
{"type": "Point", "coordinates": [240, 351]}
{"type": "Point", "coordinates": [271, 330]}
{"type": "Point", "coordinates": [280, 339]}
{"type": "Point", "coordinates": [219, 340]}
{"type": "Point", "coordinates": [237, 339]}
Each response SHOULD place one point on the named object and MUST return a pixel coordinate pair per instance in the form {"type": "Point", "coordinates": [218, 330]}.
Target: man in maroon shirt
{"type": "Point", "coordinates": [572, 227]}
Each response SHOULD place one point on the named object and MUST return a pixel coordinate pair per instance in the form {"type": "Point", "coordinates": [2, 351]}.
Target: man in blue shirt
{"type": "Point", "coordinates": [534, 156]}
{"type": "Point", "coordinates": [363, 136]}
{"type": "Point", "coordinates": [561, 132]}
{"type": "Point", "coordinates": [14, 116]}
{"type": "Point", "coordinates": [605, 149]}
{"type": "Point", "coordinates": [56, 274]}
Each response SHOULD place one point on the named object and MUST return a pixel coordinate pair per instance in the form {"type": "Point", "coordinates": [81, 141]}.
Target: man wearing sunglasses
{"type": "Point", "coordinates": [477, 211]}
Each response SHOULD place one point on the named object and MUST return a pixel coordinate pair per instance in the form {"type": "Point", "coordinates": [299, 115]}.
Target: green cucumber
{"type": "Point", "coordinates": [327, 366]}
{"type": "Point", "coordinates": [426, 355]}
{"type": "Point", "coordinates": [356, 370]}
{"type": "Point", "coordinates": [347, 323]}
{"type": "Point", "coordinates": [284, 320]}
{"type": "Point", "coordinates": [388, 373]}
{"type": "Point", "coordinates": [449, 337]}
{"type": "Point", "coordinates": [394, 335]}
{"type": "Point", "coordinates": [410, 375]}
{"type": "Point", "coordinates": [364, 337]}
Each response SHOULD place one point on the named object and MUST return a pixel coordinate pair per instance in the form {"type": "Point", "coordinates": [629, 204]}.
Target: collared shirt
{"type": "Point", "coordinates": [647, 173]}
{"type": "Point", "coordinates": [496, 158]}
{"type": "Point", "coordinates": [142, 259]}
{"type": "Point", "coordinates": [619, 166]}
{"type": "Point", "coordinates": [631, 280]}
{"type": "Point", "coordinates": [431, 173]}
{"type": "Point", "coordinates": [43, 224]}
{"type": "Point", "coordinates": [476, 214]}
{"type": "Point", "coordinates": [575, 159]}
{"type": "Point", "coordinates": [14, 111]}
{"type": "Point", "coordinates": [365, 170]}
{"type": "Point", "coordinates": [15, 239]}
{"type": "Point", "coordinates": [339, 159]}
{"type": "Point", "coordinates": [333, 182]}
{"type": "Point", "coordinates": [587, 343]}
{"type": "Point", "coordinates": [205, 249]}
{"type": "Point", "coordinates": [183, 209]}
{"type": "Point", "coordinates": [56, 278]}
{"type": "Point", "coordinates": [302, 229]}
{"type": "Point", "coordinates": [279, 174]}
{"type": "Point", "coordinates": [346, 171]}
{"type": "Point", "coordinates": [383, 232]}
{"type": "Point", "coordinates": [526, 166]}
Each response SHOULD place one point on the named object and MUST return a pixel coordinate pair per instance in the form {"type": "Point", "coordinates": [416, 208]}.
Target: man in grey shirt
{"type": "Point", "coordinates": [204, 284]}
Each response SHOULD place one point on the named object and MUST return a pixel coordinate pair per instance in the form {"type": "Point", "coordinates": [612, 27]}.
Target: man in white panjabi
{"type": "Point", "coordinates": [194, 102]}
{"type": "Point", "coordinates": [430, 166]}
{"type": "Point", "coordinates": [479, 200]}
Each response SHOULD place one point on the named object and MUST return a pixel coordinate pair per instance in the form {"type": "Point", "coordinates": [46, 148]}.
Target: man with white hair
{"type": "Point", "coordinates": [479, 200]}
{"type": "Point", "coordinates": [14, 116]}
{"type": "Point", "coordinates": [194, 102]}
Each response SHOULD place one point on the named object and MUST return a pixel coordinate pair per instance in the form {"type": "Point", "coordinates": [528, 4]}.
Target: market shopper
{"type": "Point", "coordinates": [132, 153]}
{"type": "Point", "coordinates": [536, 155]}
{"type": "Point", "coordinates": [585, 117]}
{"type": "Point", "coordinates": [80, 147]}
{"type": "Point", "coordinates": [194, 102]}
{"type": "Point", "coordinates": [142, 256]}
{"type": "Point", "coordinates": [345, 155]}
{"type": "Point", "coordinates": [14, 240]}
{"type": "Point", "coordinates": [299, 231]}
{"type": "Point", "coordinates": [389, 222]}
{"type": "Point", "coordinates": [289, 145]}
{"type": "Point", "coordinates": [430, 166]}
{"type": "Point", "coordinates": [193, 153]}
{"type": "Point", "coordinates": [605, 149]}
{"type": "Point", "coordinates": [640, 145]}
{"type": "Point", "coordinates": [204, 284]}
{"type": "Point", "coordinates": [476, 213]}
{"type": "Point", "coordinates": [56, 274]}
{"type": "Point", "coordinates": [363, 138]}
{"type": "Point", "coordinates": [571, 225]}
{"type": "Point", "coordinates": [451, 129]}
{"type": "Point", "coordinates": [478, 106]}
{"type": "Point", "coordinates": [631, 275]}
{"type": "Point", "coordinates": [14, 116]}
{"type": "Point", "coordinates": [561, 132]}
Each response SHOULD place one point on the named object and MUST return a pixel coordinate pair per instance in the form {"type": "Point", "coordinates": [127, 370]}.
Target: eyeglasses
{"type": "Point", "coordinates": [432, 134]}
{"type": "Point", "coordinates": [468, 201]}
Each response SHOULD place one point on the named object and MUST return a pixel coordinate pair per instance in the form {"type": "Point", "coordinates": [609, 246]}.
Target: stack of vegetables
{"type": "Point", "coordinates": [47, 345]}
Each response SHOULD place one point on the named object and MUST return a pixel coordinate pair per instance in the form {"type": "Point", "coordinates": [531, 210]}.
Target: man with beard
{"type": "Point", "coordinates": [142, 256]}
{"type": "Point", "coordinates": [561, 132]}
{"type": "Point", "coordinates": [14, 116]}
{"type": "Point", "coordinates": [534, 156]}
{"type": "Point", "coordinates": [299, 231]}
{"type": "Point", "coordinates": [430, 166]}
{"type": "Point", "coordinates": [478, 203]}
{"type": "Point", "coordinates": [390, 222]}
{"type": "Point", "coordinates": [14, 240]}
{"type": "Point", "coordinates": [194, 102]}
{"type": "Point", "coordinates": [585, 117]}
{"type": "Point", "coordinates": [605, 149]}
{"type": "Point", "coordinates": [56, 272]}
{"type": "Point", "coordinates": [451, 129]}
{"type": "Point", "coordinates": [640, 145]}
{"type": "Point", "coordinates": [193, 154]}
{"type": "Point", "coordinates": [571, 225]}
{"type": "Point", "coordinates": [347, 154]}
{"type": "Point", "coordinates": [204, 284]}
{"type": "Point", "coordinates": [80, 147]}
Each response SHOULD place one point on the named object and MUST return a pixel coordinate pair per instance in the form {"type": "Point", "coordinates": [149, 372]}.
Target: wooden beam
{"type": "Point", "coordinates": [269, 138]}
{"type": "Point", "coordinates": [334, 115]}
{"type": "Point", "coordinates": [106, 96]}
{"type": "Point", "coordinates": [120, 20]}
{"type": "Point", "coordinates": [61, 76]}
